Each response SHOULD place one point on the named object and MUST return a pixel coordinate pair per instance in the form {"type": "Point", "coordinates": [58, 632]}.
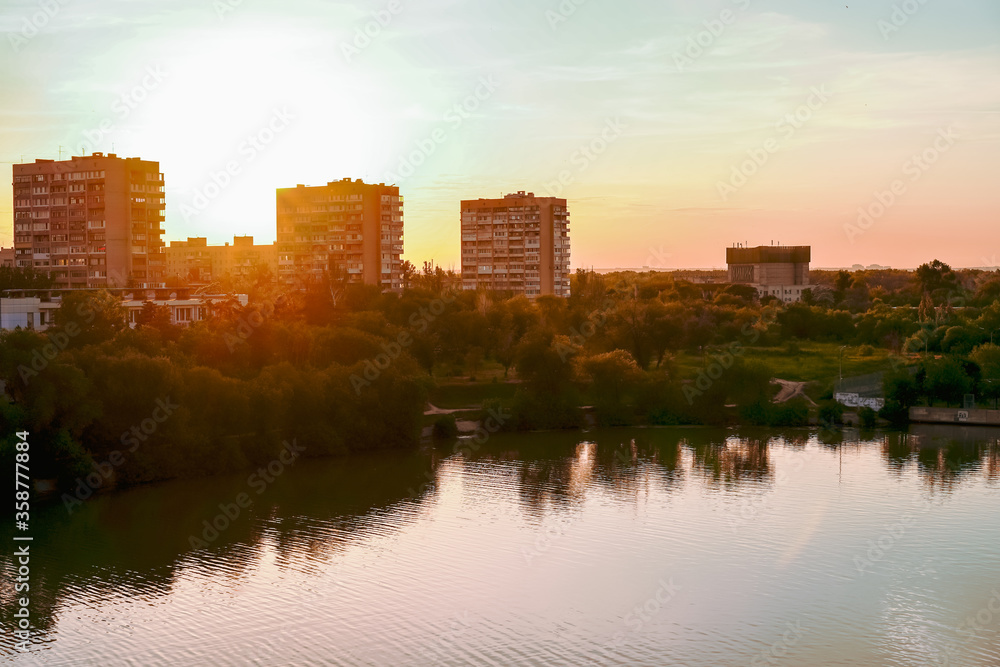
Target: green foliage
{"type": "Point", "coordinates": [902, 388]}
{"type": "Point", "coordinates": [90, 317]}
{"type": "Point", "coordinates": [23, 278]}
{"type": "Point", "coordinates": [947, 380]}
{"type": "Point", "coordinates": [831, 413]}
{"type": "Point", "coordinates": [895, 413]}
{"type": "Point", "coordinates": [445, 428]}
{"type": "Point", "coordinates": [764, 413]}
{"type": "Point", "coordinates": [867, 417]}
{"type": "Point", "coordinates": [342, 367]}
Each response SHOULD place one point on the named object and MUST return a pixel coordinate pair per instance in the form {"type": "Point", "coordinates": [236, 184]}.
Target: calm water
{"type": "Point", "coordinates": [625, 547]}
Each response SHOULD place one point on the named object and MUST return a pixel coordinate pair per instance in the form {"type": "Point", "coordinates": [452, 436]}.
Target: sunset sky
{"type": "Point", "coordinates": [482, 98]}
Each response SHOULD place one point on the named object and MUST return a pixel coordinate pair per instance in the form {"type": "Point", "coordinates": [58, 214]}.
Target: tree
{"type": "Point", "coordinates": [988, 358]}
{"type": "Point", "coordinates": [90, 317]}
{"type": "Point", "coordinates": [947, 380]}
{"type": "Point", "coordinates": [842, 283]}
{"type": "Point", "coordinates": [934, 276]}
{"type": "Point", "coordinates": [610, 373]}
{"type": "Point", "coordinates": [157, 317]}
{"type": "Point", "coordinates": [23, 278]}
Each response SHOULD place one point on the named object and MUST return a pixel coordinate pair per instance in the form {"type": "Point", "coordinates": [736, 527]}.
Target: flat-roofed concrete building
{"type": "Point", "coordinates": [345, 225]}
{"type": "Point", "coordinates": [778, 271]}
{"type": "Point", "coordinates": [7, 257]}
{"type": "Point", "coordinates": [517, 244]}
{"type": "Point", "coordinates": [197, 262]}
{"type": "Point", "coordinates": [91, 221]}
{"type": "Point", "coordinates": [35, 309]}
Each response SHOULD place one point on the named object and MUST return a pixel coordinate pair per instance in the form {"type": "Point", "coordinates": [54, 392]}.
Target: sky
{"type": "Point", "coordinates": [673, 128]}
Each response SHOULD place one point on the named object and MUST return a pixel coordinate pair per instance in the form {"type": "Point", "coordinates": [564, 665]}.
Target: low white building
{"type": "Point", "coordinates": [38, 311]}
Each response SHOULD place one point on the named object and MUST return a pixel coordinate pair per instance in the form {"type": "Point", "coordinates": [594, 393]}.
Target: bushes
{"type": "Point", "coordinates": [831, 413]}
{"type": "Point", "coordinates": [445, 428]}
{"type": "Point", "coordinates": [895, 413]}
{"type": "Point", "coordinates": [764, 413]}
{"type": "Point", "coordinates": [868, 417]}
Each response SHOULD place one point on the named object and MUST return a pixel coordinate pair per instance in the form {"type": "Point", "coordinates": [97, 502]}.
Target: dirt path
{"type": "Point", "coordinates": [790, 390]}
{"type": "Point", "coordinates": [434, 410]}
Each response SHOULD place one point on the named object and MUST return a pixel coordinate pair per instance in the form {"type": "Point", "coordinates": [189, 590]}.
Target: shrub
{"type": "Point", "coordinates": [895, 413]}
{"type": "Point", "coordinates": [867, 417]}
{"type": "Point", "coordinates": [445, 428]}
{"type": "Point", "coordinates": [831, 412]}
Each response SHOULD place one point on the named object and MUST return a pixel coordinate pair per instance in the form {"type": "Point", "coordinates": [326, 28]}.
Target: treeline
{"type": "Point", "coordinates": [343, 368]}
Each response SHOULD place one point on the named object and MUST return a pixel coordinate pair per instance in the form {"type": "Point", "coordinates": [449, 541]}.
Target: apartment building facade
{"type": "Point", "coordinates": [197, 262]}
{"type": "Point", "coordinates": [91, 221]}
{"type": "Point", "coordinates": [518, 244]}
{"type": "Point", "coordinates": [344, 226]}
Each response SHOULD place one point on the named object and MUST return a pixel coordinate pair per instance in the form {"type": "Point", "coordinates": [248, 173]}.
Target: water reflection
{"type": "Point", "coordinates": [139, 544]}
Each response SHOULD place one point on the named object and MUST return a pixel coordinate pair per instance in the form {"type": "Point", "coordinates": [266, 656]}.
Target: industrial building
{"type": "Point", "coordinates": [775, 270]}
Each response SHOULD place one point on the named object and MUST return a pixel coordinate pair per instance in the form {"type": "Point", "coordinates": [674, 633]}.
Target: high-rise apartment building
{"type": "Point", "coordinates": [517, 244]}
{"type": "Point", "coordinates": [345, 225]}
{"type": "Point", "coordinates": [197, 262]}
{"type": "Point", "coordinates": [92, 221]}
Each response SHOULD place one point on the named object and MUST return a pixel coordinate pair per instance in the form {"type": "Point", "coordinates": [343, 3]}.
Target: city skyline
{"type": "Point", "coordinates": [692, 122]}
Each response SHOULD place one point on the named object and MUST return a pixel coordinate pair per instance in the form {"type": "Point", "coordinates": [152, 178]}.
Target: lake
{"type": "Point", "coordinates": [673, 546]}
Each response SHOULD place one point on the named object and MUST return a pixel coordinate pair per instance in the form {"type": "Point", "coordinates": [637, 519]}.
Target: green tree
{"type": "Point", "coordinates": [90, 317]}
{"type": "Point", "coordinates": [947, 380]}
{"type": "Point", "coordinates": [934, 276]}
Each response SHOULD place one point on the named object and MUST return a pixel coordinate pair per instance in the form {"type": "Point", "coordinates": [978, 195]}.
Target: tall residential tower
{"type": "Point", "coordinates": [344, 225]}
{"type": "Point", "coordinates": [92, 221]}
{"type": "Point", "coordinates": [517, 244]}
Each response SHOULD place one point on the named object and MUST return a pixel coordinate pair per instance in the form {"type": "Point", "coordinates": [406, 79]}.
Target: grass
{"type": "Point", "coordinates": [798, 361]}
{"type": "Point", "coordinates": [804, 361]}
{"type": "Point", "coordinates": [469, 394]}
